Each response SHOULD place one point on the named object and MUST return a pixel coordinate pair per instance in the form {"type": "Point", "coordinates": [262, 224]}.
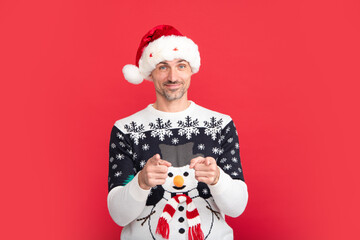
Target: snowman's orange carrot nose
{"type": "Point", "coordinates": [178, 181]}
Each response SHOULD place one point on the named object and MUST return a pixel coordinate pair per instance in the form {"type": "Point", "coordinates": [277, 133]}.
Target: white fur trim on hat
{"type": "Point", "coordinates": [168, 48]}
{"type": "Point", "coordinates": [132, 74]}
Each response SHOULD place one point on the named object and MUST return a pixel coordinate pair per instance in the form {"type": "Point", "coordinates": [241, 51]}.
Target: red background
{"type": "Point", "coordinates": [286, 71]}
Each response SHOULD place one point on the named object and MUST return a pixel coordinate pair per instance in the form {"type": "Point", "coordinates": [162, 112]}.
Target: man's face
{"type": "Point", "coordinates": [171, 79]}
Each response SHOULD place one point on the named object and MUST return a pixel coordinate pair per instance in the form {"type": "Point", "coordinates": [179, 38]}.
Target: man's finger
{"type": "Point", "coordinates": [165, 163]}
{"type": "Point", "coordinates": [196, 160]}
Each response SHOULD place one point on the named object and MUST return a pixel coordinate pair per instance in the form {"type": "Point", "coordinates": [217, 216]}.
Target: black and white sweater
{"type": "Point", "coordinates": [177, 137]}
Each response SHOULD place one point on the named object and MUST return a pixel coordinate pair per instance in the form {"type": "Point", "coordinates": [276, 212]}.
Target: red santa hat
{"type": "Point", "coordinates": [162, 43]}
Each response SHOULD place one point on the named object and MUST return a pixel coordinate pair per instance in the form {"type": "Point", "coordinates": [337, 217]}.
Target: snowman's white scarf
{"type": "Point", "coordinates": [192, 215]}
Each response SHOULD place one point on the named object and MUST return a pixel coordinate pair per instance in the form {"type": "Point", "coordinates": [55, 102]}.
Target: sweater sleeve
{"type": "Point", "coordinates": [125, 200]}
{"type": "Point", "coordinates": [230, 192]}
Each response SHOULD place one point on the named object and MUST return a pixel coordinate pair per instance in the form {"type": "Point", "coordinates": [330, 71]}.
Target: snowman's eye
{"type": "Point", "coordinates": [186, 174]}
{"type": "Point", "coordinates": [170, 174]}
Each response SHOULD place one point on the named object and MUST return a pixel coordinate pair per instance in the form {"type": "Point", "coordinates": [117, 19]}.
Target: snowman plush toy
{"type": "Point", "coordinates": [182, 206]}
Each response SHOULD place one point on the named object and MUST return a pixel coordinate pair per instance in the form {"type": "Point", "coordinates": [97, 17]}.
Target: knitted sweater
{"type": "Point", "coordinates": [177, 137]}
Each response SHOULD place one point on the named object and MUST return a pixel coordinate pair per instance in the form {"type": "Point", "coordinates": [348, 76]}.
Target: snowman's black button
{"type": "Point", "coordinates": [181, 230]}
{"type": "Point", "coordinates": [181, 208]}
{"type": "Point", "coordinates": [181, 219]}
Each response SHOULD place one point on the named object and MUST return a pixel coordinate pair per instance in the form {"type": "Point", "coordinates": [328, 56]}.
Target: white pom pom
{"type": "Point", "coordinates": [132, 74]}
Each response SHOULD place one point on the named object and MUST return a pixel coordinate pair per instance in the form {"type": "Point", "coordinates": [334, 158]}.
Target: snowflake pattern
{"type": "Point", "coordinates": [113, 145]}
{"type": "Point", "coordinates": [134, 156]}
{"type": "Point", "coordinates": [135, 131]}
{"type": "Point", "coordinates": [234, 159]}
{"type": "Point", "coordinates": [175, 141]}
{"type": "Point", "coordinates": [234, 174]}
{"type": "Point", "coordinates": [142, 163]}
{"type": "Point", "coordinates": [114, 166]}
{"type": "Point", "coordinates": [122, 144]}
{"type": "Point", "coordinates": [120, 136]}
{"type": "Point", "coordinates": [145, 147]}
{"type": "Point", "coordinates": [222, 137]}
{"type": "Point", "coordinates": [111, 159]}
{"type": "Point", "coordinates": [223, 160]}
{"type": "Point", "coordinates": [118, 174]}
{"type": "Point", "coordinates": [201, 146]}
{"type": "Point", "coordinates": [217, 150]}
{"type": "Point", "coordinates": [213, 127]}
{"type": "Point", "coordinates": [205, 191]}
{"type": "Point", "coordinates": [227, 129]}
{"type": "Point", "coordinates": [237, 145]}
{"type": "Point", "coordinates": [120, 156]}
{"type": "Point", "coordinates": [188, 127]}
{"type": "Point", "coordinates": [161, 129]}
{"type": "Point", "coordinates": [232, 152]}
{"type": "Point", "coordinates": [227, 167]}
{"type": "Point", "coordinates": [230, 140]}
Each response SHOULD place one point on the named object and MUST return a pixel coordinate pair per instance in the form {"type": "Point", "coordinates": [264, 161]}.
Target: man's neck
{"type": "Point", "coordinates": [177, 105]}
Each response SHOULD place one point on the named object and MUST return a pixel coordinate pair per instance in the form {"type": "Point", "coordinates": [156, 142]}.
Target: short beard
{"type": "Point", "coordinates": [168, 94]}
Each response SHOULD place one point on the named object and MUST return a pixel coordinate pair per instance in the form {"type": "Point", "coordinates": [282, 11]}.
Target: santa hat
{"type": "Point", "coordinates": [162, 43]}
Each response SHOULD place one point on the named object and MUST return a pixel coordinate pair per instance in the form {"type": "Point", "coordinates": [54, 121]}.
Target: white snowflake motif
{"type": "Point", "coordinates": [230, 140]}
{"type": "Point", "coordinates": [175, 141]}
{"type": "Point", "coordinates": [142, 163]}
{"type": "Point", "coordinates": [120, 136]}
{"type": "Point", "coordinates": [188, 127]}
{"type": "Point", "coordinates": [136, 136]}
{"type": "Point", "coordinates": [134, 156]}
{"type": "Point", "coordinates": [201, 146]}
{"type": "Point", "coordinates": [118, 174]}
{"type": "Point", "coordinates": [161, 133]}
{"type": "Point", "coordinates": [111, 159]}
{"type": "Point", "coordinates": [223, 160]}
{"type": "Point", "coordinates": [234, 159]}
{"type": "Point", "coordinates": [227, 129]}
{"type": "Point", "coordinates": [114, 166]}
{"type": "Point", "coordinates": [109, 179]}
{"type": "Point", "coordinates": [237, 145]}
{"type": "Point", "coordinates": [232, 152]}
{"type": "Point", "coordinates": [221, 151]}
{"type": "Point", "coordinates": [135, 131]}
{"type": "Point", "coordinates": [213, 127]}
{"type": "Point", "coordinates": [227, 167]}
{"type": "Point", "coordinates": [161, 129]}
{"type": "Point", "coordinates": [145, 147]}
{"type": "Point", "coordinates": [130, 151]}
{"type": "Point", "coordinates": [239, 169]}
{"type": "Point", "coordinates": [215, 150]}
{"type": "Point", "coordinates": [111, 185]}
{"type": "Point", "coordinates": [234, 174]}
{"type": "Point", "coordinates": [122, 144]}
{"type": "Point", "coordinates": [113, 145]}
{"type": "Point", "coordinates": [188, 131]}
{"type": "Point", "coordinates": [222, 137]}
{"type": "Point", "coordinates": [205, 191]}
{"type": "Point", "coordinates": [120, 156]}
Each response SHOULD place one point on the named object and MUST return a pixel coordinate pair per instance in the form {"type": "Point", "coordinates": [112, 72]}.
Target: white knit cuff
{"type": "Point", "coordinates": [223, 183]}
{"type": "Point", "coordinates": [136, 191]}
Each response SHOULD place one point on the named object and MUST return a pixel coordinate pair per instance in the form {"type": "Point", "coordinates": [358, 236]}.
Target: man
{"type": "Point", "coordinates": [174, 170]}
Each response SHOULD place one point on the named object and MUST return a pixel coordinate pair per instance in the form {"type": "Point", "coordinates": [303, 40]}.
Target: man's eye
{"type": "Point", "coordinates": [182, 66]}
{"type": "Point", "coordinates": [162, 67]}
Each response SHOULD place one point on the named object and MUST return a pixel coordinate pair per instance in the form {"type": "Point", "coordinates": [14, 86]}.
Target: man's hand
{"type": "Point", "coordinates": [206, 170]}
{"type": "Point", "coordinates": [154, 172]}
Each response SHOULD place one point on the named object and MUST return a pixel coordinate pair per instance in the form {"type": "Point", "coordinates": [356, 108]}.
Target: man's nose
{"type": "Point", "coordinates": [172, 75]}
